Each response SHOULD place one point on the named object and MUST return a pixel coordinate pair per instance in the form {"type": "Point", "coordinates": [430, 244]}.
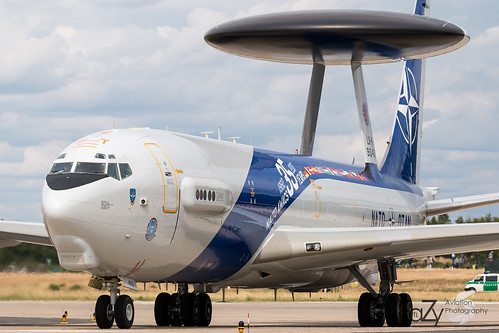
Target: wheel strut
{"type": "Point", "coordinates": [374, 307]}
{"type": "Point", "coordinates": [113, 307]}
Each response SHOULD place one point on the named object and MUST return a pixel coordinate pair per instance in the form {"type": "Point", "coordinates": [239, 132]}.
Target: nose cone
{"type": "Point", "coordinates": [60, 212]}
{"type": "Point", "coordinates": [66, 231]}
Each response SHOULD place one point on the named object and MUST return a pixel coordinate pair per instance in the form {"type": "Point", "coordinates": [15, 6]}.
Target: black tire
{"type": "Point", "coordinates": [205, 310]}
{"type": "Point", "coordinates": [162, 309]}
{"type": "Point", "coordinates": [393, 310]}
{"type": "Point", "coordinates": [189, 309]}
{"type": "Point", "coordinates": [103, 314]}
{"type": "Point", "coordinates": [406, 310]}
{"type": "Point", "coordinates": [175, 319]}
{"type": "Point", "coordinates": [124, 311]}
{"type": "Point", "coordinates": [366, 313]}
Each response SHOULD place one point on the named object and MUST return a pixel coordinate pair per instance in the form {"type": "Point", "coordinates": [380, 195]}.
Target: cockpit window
{"type": "Point", "coordinates": [93, 168]}
{"type": "Point", "coordinates": [59, 168]}
{"type": "Point", "coordinates": [60, 157]}
{"type": "Point", "coordinates": [112, 171]}
{"type": "Point", "coordinates": [111, 156]}
{"type": "Point", "coordinates": [100, 156]}
{"type": "Point", "coordinates": [125, 170]}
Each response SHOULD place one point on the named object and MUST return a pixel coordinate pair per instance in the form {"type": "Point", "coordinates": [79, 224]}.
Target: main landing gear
{"type": "Point", "coordinates": [182, 308]}
{"type": "Point", "coordinates": [374, 308]}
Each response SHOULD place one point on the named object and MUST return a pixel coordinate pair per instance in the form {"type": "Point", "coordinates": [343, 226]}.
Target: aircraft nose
{"type": "Point", "coordinates": [67, 231]}
{"type": "Point", "coordinates": [58, 212]}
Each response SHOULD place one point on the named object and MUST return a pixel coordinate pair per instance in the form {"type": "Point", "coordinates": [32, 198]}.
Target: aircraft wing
{"type": "Point", "coordinates": [444, 206]}
{"type": "Point", "coordinates": [13, 232]}
{"type": "Point", "coordinates": [340, 247]}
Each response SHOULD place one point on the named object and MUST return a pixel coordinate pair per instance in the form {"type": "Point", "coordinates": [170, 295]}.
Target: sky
{"type": "Point", "coordinates": [70, 68]}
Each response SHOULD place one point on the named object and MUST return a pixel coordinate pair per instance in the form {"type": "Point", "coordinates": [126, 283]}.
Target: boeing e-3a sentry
{"type": "Point", "coordinates": [144, 205]}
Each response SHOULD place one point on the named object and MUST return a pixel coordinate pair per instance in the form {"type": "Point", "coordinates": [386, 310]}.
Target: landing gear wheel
{"type": "Point", "coordinates": [205, 310]}
{"type": "Point", "coordinates": [162, 309]}
{"type": "Point", "coordinates": [124, 311]}
{"type": "Point", "coordinates": [366, 312]}
{"type": "Point", "coordinates": [394, 310]}
{"type": "Point", "coordinates": [189, 309]}
{"type": "Point", "coordinates": [103, 312]}
{"type": "Point", "coordinates": [406, 310]}
{"type": "Point", "coordinates": [176, 320]}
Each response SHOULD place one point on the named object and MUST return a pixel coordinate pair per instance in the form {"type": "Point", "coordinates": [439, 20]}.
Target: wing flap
{"type": "Point", "coordinates": [341, 247]}
{"type": "Point", "coordinates": [14, 232]}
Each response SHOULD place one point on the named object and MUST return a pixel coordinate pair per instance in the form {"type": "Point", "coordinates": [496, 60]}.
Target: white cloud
{"type": "Point", "coordinates": [69, 68]}
{"type": "Point", "coordinates": [36, 159]}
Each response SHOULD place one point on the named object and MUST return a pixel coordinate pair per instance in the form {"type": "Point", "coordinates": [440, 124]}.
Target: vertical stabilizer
{"type": "Point", "coordinates": [402, 157]}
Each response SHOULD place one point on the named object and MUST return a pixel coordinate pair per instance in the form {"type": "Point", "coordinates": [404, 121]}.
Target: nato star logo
{"type": "Point", "coordinates": [408, 108]}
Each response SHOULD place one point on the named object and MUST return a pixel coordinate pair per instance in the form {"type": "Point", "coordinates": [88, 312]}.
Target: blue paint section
{"type": "Point", "coordinates": [421, 7]}
{"type": "Point", "coordinates": [274, 181]}
{"type": "Point", "coordinates": [401, 159]}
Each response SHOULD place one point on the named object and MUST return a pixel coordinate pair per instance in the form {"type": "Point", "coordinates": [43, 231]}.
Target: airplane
{"type": "Point", "coordinates": [145, 205]}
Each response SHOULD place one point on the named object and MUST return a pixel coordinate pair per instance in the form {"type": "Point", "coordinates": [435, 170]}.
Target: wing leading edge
{"type": "Point", "coordinates": [341, 247]}
{"type": "Point", "coordinates": [444, 206]}
{"type": "Point", "coordinates": [13, 232]}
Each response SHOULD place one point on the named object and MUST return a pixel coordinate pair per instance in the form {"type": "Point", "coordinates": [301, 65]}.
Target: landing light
{"type": "Point", "coordinates": [313, 247]}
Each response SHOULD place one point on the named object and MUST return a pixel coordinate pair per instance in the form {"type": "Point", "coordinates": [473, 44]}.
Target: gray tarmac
{"type": "Point", "coordinates": [45, 316]}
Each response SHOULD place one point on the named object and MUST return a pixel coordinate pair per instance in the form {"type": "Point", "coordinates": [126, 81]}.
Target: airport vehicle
{"type": "Point", "coordinates": [483, 282]}
{"type": "Point", "coordinates": [143, 205]}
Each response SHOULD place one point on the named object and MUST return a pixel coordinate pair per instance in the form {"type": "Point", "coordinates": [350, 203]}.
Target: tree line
{"type": "Point", "coordinates": [471, 258]}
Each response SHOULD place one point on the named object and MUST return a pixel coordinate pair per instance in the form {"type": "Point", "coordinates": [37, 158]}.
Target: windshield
{"type": "Point", "coordinates": [125, 170]}
{"type": "Point", "coordinates": [113, 169]}
{"type": "Point", "coordinates": [87, 167]}
{"type": "Point", "coordinates": [59, 168]}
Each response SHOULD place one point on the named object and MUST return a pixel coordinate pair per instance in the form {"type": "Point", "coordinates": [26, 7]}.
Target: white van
{"type": "Point", "coordinates": [483, 282]}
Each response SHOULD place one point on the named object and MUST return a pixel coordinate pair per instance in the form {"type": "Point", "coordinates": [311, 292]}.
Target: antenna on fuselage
{"type": "Point", "coordinates": [207, 134]}
{"type": "Point", "coordinates": [343, 37]}
{"type": "Point", "coordinates": [234, 138]}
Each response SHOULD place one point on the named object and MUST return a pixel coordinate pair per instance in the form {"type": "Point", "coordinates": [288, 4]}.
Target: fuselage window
{"type": "Point", "coordinates": [93, 168]}
{"type": "Point", "coordinates": [125, 170]}
{"type": "Point", "coordinates": [112, 171]}
{"type": "Point", "coordinates": [59, 168]}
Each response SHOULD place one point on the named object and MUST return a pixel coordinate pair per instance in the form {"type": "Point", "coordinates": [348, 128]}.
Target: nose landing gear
{"type": "Point", "coordinates": [113, 308]}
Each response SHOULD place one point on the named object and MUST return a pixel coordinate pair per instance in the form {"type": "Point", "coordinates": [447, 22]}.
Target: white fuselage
{"type": "Point", "coordinates": [198, 210]}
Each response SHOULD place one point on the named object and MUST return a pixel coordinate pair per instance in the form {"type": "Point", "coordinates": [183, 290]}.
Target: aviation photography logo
{"type": "Point", "coordinates": [461, 310]}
